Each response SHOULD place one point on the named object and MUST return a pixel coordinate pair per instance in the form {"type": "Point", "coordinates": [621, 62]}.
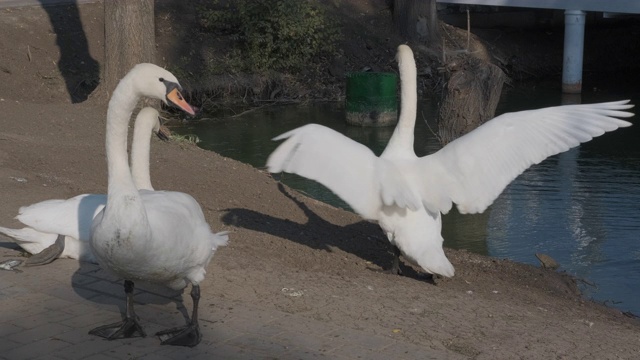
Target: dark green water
{"type": "Point", "coordinates": [581, 207]}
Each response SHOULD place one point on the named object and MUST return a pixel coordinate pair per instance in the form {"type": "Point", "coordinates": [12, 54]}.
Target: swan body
{"type": "Point", "coordinates": [168, 256]}
{"type": "Point", "coordinates": [72, 218]}
{"type": "Point", "coordinates": [154, 236]}
{"type": "Point", "coordinates": [407, 194]}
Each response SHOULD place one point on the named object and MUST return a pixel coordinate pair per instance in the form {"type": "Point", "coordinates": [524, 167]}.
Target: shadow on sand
{"type": "Point", "coordinates": [363, 239]}
{"type": "Point", "coordinates": [81, 72]}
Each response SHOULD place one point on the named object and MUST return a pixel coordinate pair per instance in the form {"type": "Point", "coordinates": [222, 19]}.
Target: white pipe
{"type": "Point", "coordinates": [620, 6]}
{"type": "Point", "coordinates": [573, 51]}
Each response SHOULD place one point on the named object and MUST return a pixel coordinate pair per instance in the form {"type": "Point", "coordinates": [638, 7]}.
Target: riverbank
{"type": "Point", "coordinates": [287, 253]}
{"type": "Point", "coordinates": [282, 241]}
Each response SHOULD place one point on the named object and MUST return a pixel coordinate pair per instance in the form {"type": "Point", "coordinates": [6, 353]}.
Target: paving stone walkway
{"type": "Point", "coordinates": [46, 313]}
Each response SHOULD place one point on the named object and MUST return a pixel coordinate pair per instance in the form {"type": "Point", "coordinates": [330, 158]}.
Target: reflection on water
{"type": "Point", "coordinates": [581, 207]}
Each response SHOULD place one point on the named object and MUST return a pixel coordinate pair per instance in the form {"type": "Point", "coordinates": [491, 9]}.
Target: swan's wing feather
{"type": "Point", "coordinates": [159, 204]}
{"type": "Point", "coordinates": [30, 240]}
{"type": "Point", "coordinates": [474, 169]}
{"type": "Point", "coordinates": [178, 223]}
{"type": "Point", "coordinates": [344, 166]}
{"type": "Point", "coordinates": [71, 217]}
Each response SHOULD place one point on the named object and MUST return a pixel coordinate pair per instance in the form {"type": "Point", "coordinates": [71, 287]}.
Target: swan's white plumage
{"type": "Point", "coordinates": [168, 257]}
{"type": "Point", "coordinates": [472, 170]}
{"type": "Point", "coordinates": [155, 236]}
{"type": "Point", "coordinates": [350, 177]}
{"type": "Point", "coordinates": [407, 194]}
{"type": "Point", "coordinates": [73, 217]}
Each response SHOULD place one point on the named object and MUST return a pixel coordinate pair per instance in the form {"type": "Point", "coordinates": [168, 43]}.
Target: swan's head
{"type": "Point", "coordinates": [151, 118]}
{"type": "Point", "coordinates": [155, 82]}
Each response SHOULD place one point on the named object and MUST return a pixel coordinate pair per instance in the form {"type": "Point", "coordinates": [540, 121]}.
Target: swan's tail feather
{"type": "Point", "coordinates": [220, 239]}
{"type": "Point", "coordinates": [196, 274]}
{"type": "Point", "coordinates": [30, 240]}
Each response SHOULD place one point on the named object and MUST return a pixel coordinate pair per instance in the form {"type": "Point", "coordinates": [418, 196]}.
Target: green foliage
{"type": "Point", "coordinates": [272, 34]}
{"type": "Point", "coordinates": [186, 139]}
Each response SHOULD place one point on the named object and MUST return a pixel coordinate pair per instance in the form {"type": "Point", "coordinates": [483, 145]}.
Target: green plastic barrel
{"type": "Point", "coordinates": [371, 99]}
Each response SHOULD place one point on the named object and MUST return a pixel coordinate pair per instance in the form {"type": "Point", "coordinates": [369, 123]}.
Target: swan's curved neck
{"type": "Point", "coordinates": [124, 220]}
{"type": "Point", "coordinates": [402, 138]}
{"type": "Point", "coordinates": [140, 150]}
{"type": "Point", "coordinates": [123, 102]}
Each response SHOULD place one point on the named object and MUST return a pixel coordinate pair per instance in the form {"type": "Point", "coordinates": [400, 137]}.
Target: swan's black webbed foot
{"type": "Point", "coordinates": [47, 255]}
{"type": "Point", "coordinates": [427, 277]}
{"type": "Point", "coordinates": [127, 328]}
{"type": "Point", "coordinates": [395, 266]}
{"type": "Point", "coordinates": [181, 336]}
{"type": "Point", "coordinates": [395, 269]}
{"type": "Point", "coordinates": [188, 335]}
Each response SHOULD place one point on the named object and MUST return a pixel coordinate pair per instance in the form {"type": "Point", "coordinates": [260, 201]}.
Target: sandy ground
{"type": "Point", "coordinates": [52, 148]}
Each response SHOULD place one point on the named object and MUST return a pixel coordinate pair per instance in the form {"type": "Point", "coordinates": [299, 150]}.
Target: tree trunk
{"type": "Point", "coordinates": [129, 31]}
{"type": "Point", "coordinates": [470, 97]}
{"type": "Point", "coordinates": [417, 20]}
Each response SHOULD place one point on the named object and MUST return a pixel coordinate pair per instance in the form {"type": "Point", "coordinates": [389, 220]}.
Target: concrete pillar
{"type": "Point", "coordinates": [573, 50]}
{"type": "Point", "coordinates": [570, 99]}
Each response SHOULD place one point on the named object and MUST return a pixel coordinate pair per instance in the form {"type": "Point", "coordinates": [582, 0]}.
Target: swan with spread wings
{"type": "Point", "coordinates": [407, 194]}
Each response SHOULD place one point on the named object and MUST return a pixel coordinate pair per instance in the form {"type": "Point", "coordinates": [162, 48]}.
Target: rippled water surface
{"type": "Point", "coordinates": [581, 207]}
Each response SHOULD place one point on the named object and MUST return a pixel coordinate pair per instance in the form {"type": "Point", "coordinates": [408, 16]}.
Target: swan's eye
{"type": "Point", "coordinates": [161, 79]}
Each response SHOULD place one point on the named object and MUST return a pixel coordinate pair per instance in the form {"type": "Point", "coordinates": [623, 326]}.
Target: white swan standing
{"type": "Point", "coordinates": [153, 236]}
{"type": "Point", "coordinates": [407, 194]}
{"type": "Point", "coordinates": [56, 229]}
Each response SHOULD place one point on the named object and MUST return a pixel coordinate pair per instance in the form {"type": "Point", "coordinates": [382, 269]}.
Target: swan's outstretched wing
{"type": "Point", "coordinates": [344, 166]}
{"type": "Point", "coordinates": [475, 168]}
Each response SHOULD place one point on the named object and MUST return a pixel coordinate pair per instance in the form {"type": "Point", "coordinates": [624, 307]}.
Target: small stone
{"type": "Point", "coordinates": [547, 261]}
{"type": "Point", "coordinates": [18, 179]}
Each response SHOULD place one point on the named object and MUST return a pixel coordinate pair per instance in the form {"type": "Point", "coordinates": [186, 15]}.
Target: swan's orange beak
{"type": "Point", "coordinates": [176, 98]}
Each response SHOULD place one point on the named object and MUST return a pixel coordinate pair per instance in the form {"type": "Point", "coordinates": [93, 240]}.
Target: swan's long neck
{"type": "Point", "coordinates": [401, 141]}
{"type": "Point", "coordinates": [123, 225]}
{"type": "Point", "coordinates": [121, 106]}
{"type": "Point", "coordinates": [140, 150]}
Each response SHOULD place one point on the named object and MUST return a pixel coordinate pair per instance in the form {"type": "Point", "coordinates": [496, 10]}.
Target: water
{"type": "Point", "coordinates": [581, 207]}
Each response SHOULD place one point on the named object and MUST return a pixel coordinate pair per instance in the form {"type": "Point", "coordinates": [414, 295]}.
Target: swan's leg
{"type": "Point", "coordinates": [188, 335]}
{"type": "Point", "coordinates": [395, 266]}
{"type": "Point", "coordinates": [47, 255]}
{"type": "Point", "coordinates": [127, 328]}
